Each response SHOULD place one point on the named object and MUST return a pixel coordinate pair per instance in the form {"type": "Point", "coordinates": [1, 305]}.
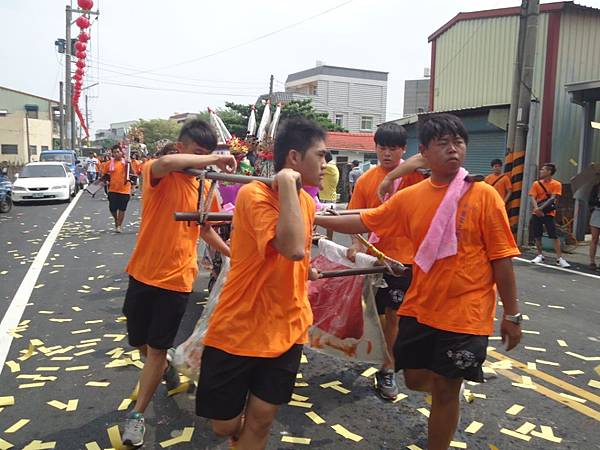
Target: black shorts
{"type": "Point", "coordinates": [391, 297]}
{"type": "Point", "coordinates": [153, 314]}
{"type": "Point", "coordinates": [117, 201]}
{"type": "Point", "coordinates": [225, 381]}
{"type": "Point", "coordinates": [452, 355]}
{"type": "Point", "coordinates": [538, 224]}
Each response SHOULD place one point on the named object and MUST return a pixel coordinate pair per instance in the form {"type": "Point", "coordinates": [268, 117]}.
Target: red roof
{"type": "Point", "coordinates": [358, 142]}
{"type": "Point", "coordinates": [501, 12]}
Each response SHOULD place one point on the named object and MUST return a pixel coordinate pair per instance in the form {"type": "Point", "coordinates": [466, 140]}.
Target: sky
{"type": "Point", "coordinates": [154, 58]}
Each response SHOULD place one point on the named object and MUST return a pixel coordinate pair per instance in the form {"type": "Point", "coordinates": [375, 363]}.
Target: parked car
{"type": "Point", "coordinates": [5, 191]}
{"type": "Point", "coordinates": [44, 181]}
{"type": "Point", "coordinates": [65, 156]}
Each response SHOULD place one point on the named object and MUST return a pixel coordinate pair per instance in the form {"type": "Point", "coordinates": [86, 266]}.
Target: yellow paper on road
{"type": "Point", "coordinates": [84, 330]}
{"type": "Point", "coordinates": [76, 308]}
{"type": "Point", "coordinates": [331, 383]}
{"type": "Point", "coordinates": [295, 440]}
{"type": "Point", "coordinates": [84, 352]}
{"type": "Point", "coordinates": [31, 385]}
{"type": "Point", "coordinates": [98, 383]}
{"type": "Point", "coordinates": [572, 397]}
{"type": "Point", "coordinates": [340, 389]}
{"type": "Point", "coordinates": [58, 405]}
{"type": "Point", "coordinates": [300, 404]}
{"type": "Point", "coordinates": [17, 426]}
{"type": "Point", "coordinates": [594, 384]}
{"type": "Point", "coordinates": [183, 387]}
{"type": "Point", "coordinates": [534, 349]}
{"type": "Point", "coordinates": [92, 446]}
{"type": "Point", "coordinates": [40, 445]}
{"type": "Point", "coordinates": [315, 417]}
{"type": "Point", "coordinates": [7, 401]}
{"type": "Point", "coordinates": [124, 404]}
{"type": "Point", "coordinates": [185, 436]}
{"type": "Point", "coordinates": [526, 428]}
{"type": "Point", "coordinates": [299, 398]}
{"type": "Point", "coordinates": [562, 343]}
{"type": "Point", "coordinates": [342, 431]}
{"type": "Point", "coordinates": [515, 434]}
{"type": "Point", "coordinates": [115, 438]}
{"type": "Point", "coordinates": [13, 366]}
{"type": "Point", "coordinates": [72, 405]}
{"type": "Point", "coordinates": [548, 363]}
{"type": "Point", "coordinates": [573, 372]}
{"type": "Point", "coordinates": [547, 434]}
{"type": "Point", "coordinates": [424, 411]}
{"type": "Point", "coordinates": [474, 427]}
{"type": "Point", "coordinates": [75, 368]}
{"type": "Point", "coordinates": [5, 445]}
{"type": "Point", "coordinates": [515, 409]}
{"type": "Point", "coordinates": [369, 372]}
{"type": "Point", "coordinates": [457, 444]}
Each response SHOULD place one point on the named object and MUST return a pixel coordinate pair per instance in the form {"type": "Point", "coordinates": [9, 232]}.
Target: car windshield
{"type": "Point", "coordinates": [59, 157]}
{"type": "Point", "coordinates": [42, 171]}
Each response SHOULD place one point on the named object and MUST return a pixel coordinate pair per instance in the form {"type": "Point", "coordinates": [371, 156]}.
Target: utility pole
{"type": "Point", "coordinates": [271, 88]}
{"type": "Point", "coordinates": [87, 118]}
{"type": "Point", "coordinates": [512, 118]}
{"type": "Point", "coordinates": [522, 127]}
{"type": "Point", "coordinates": [70, 143]}
{"type": "Point", "coordinates": [62, 115]}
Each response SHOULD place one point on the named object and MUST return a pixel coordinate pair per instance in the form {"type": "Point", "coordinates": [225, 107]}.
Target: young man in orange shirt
{"type": "Point", "coordinates": [390, 145]}
{"type": "Point", "coordinates": [544, 195]}
{"type": "Point", "coordinates": [163, 265]}
{"type": "Point", "coordinates": [253, 344]}
{"type": "Point", "coordinates": [499, 181]}
{"type": "Point", "coordinates": [119, 187]}
{"type": "Point", "coordinates": [448, 312]}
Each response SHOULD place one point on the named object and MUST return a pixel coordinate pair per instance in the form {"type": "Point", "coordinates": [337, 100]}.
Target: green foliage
{"type": "Point", "coordinates": [235, 116]}
{"type": "Point", "coordinates": [157, 129]}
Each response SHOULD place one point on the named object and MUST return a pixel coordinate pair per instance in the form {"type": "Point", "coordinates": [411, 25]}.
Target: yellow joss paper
{"type": "Point", "coordinates": [315, 417]}
{"type": "Point", "coordinates": [342, 431]}
{"type": "Point", "coordinates": [17, 426]}
{"type": "Point", "coordinates": [295, 440]}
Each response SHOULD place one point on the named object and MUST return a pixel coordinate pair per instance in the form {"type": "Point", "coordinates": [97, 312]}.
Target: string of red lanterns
{"type": "Point", "coordinates": [83, 22]}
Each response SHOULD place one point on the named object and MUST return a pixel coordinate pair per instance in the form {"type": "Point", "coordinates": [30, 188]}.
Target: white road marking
{"type": "Point", "coordinates": [583, 274]}
{"type": "Point", "coordinates": [14, 313]}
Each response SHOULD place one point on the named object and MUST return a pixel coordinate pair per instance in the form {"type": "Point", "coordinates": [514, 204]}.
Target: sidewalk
{"type": "Point", "coordinates": [578, 258]}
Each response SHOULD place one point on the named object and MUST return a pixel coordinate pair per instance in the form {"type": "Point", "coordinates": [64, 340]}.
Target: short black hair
{"type": "Point", "coordinates": [116, 147]}
{"type": "Point", "coordinates": [436, 126]}
{"type": "Point", "coordinates": [298, 134]}
{"type": "Point", "coordinates": [495, 162]}
{"type": "Point", "coordinates": [552, 167]}
{"type": "Point", "coordinates": [328, 157]}
{"type": "Point", "coordinates": [199, 132]}
{"type": "Point", "coordinates": [390, 135]}
{"type": "Point", "coordinates": [355, 163]}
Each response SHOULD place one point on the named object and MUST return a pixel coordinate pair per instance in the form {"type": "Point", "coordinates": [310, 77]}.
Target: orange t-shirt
{"type": "Point", "coordinates": [119, 183]}
{"type": "Point", "coordinates": [263, 308]}
{"type": "Point", "coordinates": [165, 254]}
{"type": "Point", "coordinates": [365, 196]}
{"type": "Point", "coordinates": [554, 187]}
{"type": "Point", "coordinates": [458, 293]}
{"type": "Point", "coordinates": [136, 166]}
{"type": "Point", "coordinates": [500, 182]}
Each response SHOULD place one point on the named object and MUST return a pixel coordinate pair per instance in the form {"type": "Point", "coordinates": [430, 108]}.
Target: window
{"type": "Point", "coordinates": [341, 159]}
{"type": "Point", "coordinates": [3, 112]}
{"type": "Point", "coordinates": [33, 149]}
{"type": "Point", "coordinates": [366, 123]}
{"type": "Point", "coordinates": [339, 120]}
{"type": "Point", "coordinates": [44, 148]}
{"type": "Point", "coordinates": [31, 111]}
{"type": "Point", "coordinates": [43, 171]}
{"type": "Point", "coordinates": [312, 89]}
{"type": "Point", "coordinates": [9, 149]}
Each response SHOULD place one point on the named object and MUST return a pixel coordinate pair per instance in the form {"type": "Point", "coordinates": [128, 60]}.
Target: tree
{"type": "Point", "coordinates": [157, 129]}
{"type": "Point", "coordinates": [235, 116]}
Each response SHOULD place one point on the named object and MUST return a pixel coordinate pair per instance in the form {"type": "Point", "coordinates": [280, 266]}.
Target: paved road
{"type": "Point", "coordinates": [75, 310]}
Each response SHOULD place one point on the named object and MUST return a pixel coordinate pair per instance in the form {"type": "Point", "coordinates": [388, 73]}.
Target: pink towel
{"type": "Point", "coordinates": [111, 166]}
{"type": "Point", "coordinates": [440, 240]}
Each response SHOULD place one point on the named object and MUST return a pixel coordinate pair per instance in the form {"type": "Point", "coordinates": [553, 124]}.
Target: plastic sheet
{"type": "Point", "coordinates": [187, 356]}
{"type": "Point", "coordinates": [346, 323]}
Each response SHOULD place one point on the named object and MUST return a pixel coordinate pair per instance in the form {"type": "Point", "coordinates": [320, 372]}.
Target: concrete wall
{"type": "Point", "coordinates": [13, 131]}
{"type": "Point", "coordinates": [416, 96]}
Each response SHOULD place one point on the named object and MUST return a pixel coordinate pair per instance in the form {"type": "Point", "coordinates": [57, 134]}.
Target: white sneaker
{"type": "Point", "coordinates": [562, 263]}
{"type": "Point", "coordinates": [538, 259]}
{"type": "Point", "coordinates": [117, 229]}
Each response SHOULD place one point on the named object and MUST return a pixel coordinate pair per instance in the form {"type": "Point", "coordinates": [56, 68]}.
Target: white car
{"type": "Point", "coordinates": [44, 181]}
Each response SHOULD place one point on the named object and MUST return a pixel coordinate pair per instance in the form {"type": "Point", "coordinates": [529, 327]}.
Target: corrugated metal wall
{"type": "Point", "coordinates": [578, 60]}
{"type": "Point", "coordinates": [475, 61]}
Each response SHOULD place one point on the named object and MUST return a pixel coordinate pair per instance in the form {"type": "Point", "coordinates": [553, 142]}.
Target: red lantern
{"type": "Point", "coordinates": [80, 46]}
{"type": "Point", "coordinates": [83, 37]}
{"type": "Point", "coordinates": [80, 64]}
{"type": "Point", "coordinates": [82, 22]}
{"type": "Point", "coordinates": [81, 55]}
{"type": "Point", "coordinates": [77, 76]}
{"type": "Point", "coordinates": [80, 72]}
{"type": "Point", "coordinates": [85, 4]}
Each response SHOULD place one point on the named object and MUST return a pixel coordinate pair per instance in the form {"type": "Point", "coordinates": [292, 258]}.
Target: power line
{"type": "Point", "coordinates": [242, 44]}
{"type": "Point", "coordinates": [151, 88]}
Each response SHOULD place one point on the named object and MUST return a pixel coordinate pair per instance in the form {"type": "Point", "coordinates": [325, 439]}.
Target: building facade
{"type": "Point", "coordinates": [472, 63]}
{"type": "Point", "coordinates": [416, 96]}
{"type": "Point", "coordinates": [354, 99]}
{"type": "Point", "coordinates": [28, 125]}
{"type": "Point", "coordinates": [348, 147]}
{"type": "Point", "coordinates": [183, 117]}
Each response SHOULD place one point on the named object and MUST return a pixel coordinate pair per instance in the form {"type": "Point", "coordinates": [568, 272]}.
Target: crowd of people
{"type": "Point", "coordinates": [448, 229]}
